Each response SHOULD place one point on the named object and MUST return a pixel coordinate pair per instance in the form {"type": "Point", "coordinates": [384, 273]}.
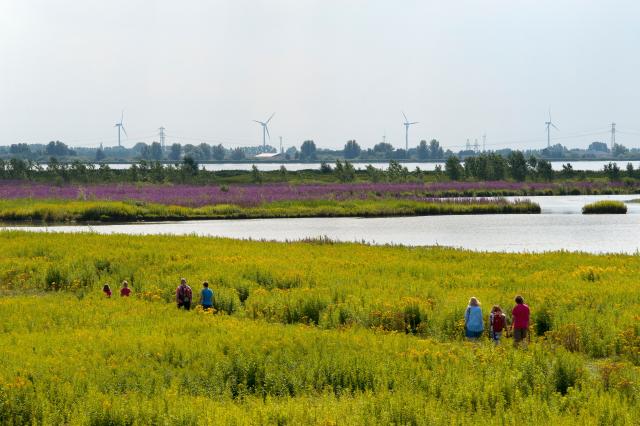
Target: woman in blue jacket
{"type": "Point", "coordinates": [473, 322]}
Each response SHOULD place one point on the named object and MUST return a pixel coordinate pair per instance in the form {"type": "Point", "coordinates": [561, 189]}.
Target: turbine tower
{"type": "Point", "coordinates": [120, 126]}
{"type": "Point", "coordinates": [265, 131]}
{"type": "Point", "coordinates": [549, 124]}
{"type": "Point", "coordinates": [406, 131]}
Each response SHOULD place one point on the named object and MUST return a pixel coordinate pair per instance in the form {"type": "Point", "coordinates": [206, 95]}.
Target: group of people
{"type": "Point", "coordinates": [474, 321]}
{"type": "Point", "coordinates": [184, 295]}
{"type": "Point", "coordinates": [125, 291]}
{"type": "Point", "coordinates": [473, 318]}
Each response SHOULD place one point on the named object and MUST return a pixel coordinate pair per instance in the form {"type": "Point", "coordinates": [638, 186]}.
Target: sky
{"type": "Point", "coordinates": [331, 70]}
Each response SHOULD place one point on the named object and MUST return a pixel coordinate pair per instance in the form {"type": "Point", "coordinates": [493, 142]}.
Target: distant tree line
{"type": "Point", "coordinates": [308, 151]}
{"type": "Point", "coordinates": [485, 167]}
{"type": "Point", "coordinates": [517, 167]}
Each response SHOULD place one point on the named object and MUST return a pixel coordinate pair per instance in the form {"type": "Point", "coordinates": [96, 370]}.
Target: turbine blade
{"type": "Point", "coordinates": [267, 122]}
{"type": "Point", "coordinates": [267, 129]}
{"type": "Point", "coordinates": [259, 122]}
{"type": "Point", "coordinates": [415, 122]}
{"type": "Point", "coordinates": [554, 126]}
{"type": "Point", "coordinates": [406, 120]}
{"type": "Point", "coordinates": [125, 132]}
{"type": "Point", "coordinates": [122, 117]}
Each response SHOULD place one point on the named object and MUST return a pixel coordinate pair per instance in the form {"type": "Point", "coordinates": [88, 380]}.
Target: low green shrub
{"type": "Point", "coordinates": [605, 207]}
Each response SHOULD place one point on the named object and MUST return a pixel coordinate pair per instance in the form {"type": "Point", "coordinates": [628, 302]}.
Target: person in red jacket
{"type": "Point", "coordinates": [520, 321]}
{"type": "Point", "coordinates": [125, 291]}
{"type": "Point", "coordinates": [183, 295]}
{"type": "Point", "coordinates": [106, 290]}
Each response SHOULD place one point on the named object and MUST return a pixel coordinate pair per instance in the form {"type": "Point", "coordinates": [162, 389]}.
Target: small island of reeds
{"type": "Point", "coordinates": [27, 210]}
{"type": "Point", "coordinates": [605, 207]}
{"type": "Point", "coordinates": [130, 203]}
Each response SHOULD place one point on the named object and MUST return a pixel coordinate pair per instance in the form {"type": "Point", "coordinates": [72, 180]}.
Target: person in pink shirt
{"type": "Point", "coordinates": [520, 321]}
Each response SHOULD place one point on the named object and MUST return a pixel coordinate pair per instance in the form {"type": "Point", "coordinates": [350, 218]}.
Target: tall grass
{"type": "Point", "coordinates": [605, 207]}
{"type": "Point", "coordinates": [21, 210]}
{"type": "Point", "coordinates": [309, 333]}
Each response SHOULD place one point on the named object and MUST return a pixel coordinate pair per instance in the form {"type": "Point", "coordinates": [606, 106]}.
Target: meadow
{"type": "Point", "coordinates": [253, 194]}
{"type": "Point", "coordinates": [20, 201]}
{"type": "Point", "coordinates": [309, 333]}
{"type": "Point", "coordinates": [28, 210]}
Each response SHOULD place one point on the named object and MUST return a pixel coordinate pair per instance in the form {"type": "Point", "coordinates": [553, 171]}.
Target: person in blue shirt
{"type": "Point", "coordinates": [206, 296]}
{"type": "Point", "coordinates": [473, 322]}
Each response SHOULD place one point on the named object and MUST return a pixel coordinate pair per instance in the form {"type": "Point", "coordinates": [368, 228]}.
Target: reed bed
{"type": "Point", "coordinates": [605, 207]}
{"type": "Point", "coordinates": [253, 195]}
{"type": "Point", "coordinates": [30, 210]}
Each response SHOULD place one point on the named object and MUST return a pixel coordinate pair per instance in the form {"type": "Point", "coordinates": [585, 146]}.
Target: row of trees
{"type": "Point", "coordinates": [493, 167]}
{"type": "Point", "coordinates": [424, 151]}
{"type": "Point", "coordinates": [53, 148]}
{"type": "Point", "coordinates": [308, 151]}
{"type": "Point", "coordinates": [486, 167]}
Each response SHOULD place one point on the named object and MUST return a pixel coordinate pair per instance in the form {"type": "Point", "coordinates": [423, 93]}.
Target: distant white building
{"type": "Point", "coordinates": [269, 156]}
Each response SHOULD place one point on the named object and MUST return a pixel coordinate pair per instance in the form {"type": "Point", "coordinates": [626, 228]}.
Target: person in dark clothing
{"type": "Point", "coordinates": [183, 295]}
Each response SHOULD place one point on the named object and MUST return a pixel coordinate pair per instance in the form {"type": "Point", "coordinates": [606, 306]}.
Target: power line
{"type": "Point", "coordinates": [538, 140]}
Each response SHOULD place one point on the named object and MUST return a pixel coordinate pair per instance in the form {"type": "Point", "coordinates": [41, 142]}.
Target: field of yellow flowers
{"type": "Point", "coordinates": [309, 333]}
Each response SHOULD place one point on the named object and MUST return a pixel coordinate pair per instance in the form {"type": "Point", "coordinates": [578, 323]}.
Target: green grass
{"type": "Point", "coordinates": [309, 333]}
{"type": "Point", "coordinates": [605, 207]}
{"type": "Point", "coordinates": [26, 210]}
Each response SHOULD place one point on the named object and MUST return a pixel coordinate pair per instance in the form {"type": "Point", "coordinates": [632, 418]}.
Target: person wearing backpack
{"type": "Point", "coordinates": [497, 323]}
{"type": "Point", "coordinates": [183, 295]}
{"type": "Point", "coordinates": [473, 321]}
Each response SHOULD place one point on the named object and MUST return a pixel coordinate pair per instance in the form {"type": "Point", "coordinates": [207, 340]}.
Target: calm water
{"type": "Point", "coordinates": [559, 227]}
{"type": "Point", "coordinates": [557, 165]}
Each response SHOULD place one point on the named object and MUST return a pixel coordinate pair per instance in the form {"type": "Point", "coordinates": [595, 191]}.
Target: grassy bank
{"type": "Point", "coordinates": [21, 210]}
{"type": "Point", "coordinates": [309, 333]}
{"type": "Point", "coordinates": [605, 207]}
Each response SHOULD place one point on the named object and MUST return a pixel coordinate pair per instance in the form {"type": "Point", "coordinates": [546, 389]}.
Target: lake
{"type": "Point", "coordinates": [561, 226]}
{"type": "Point", "coordinates": [557, 165]}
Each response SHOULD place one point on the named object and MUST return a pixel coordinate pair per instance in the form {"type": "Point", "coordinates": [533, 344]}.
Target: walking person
{"type": "Point", "coordinates": [183, 295]}
{"type": "Point", "coordinates": [125, 291]}
{"type": "Point", "coordinates": [520, 322]}
{"type": "Point", "coordinates": [106, 290]}
{"type": "Point", "coordinates": [473, 322]}
{"type": "Point", "coordinates": [497, 323]}
{"type": "Point", "coordinates": [206, 296]}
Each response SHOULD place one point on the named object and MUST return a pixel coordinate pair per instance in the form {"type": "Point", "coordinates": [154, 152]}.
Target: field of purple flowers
{"type": "Point", "coordinates": [253, 195]}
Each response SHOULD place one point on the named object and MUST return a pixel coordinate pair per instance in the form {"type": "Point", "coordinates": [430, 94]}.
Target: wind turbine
{"type": "Point", "coordinates": [120, 126]}
{"type": "Point", "coordinates": [265, 131]}
{"type": "Point", "coordinates": [549, 124]}
{"type": "Point", "coordinates": [406, 130]}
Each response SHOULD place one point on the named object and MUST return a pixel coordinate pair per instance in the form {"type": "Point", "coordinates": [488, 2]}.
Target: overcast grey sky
{"type": "Point", "coordinates": [332, 70]}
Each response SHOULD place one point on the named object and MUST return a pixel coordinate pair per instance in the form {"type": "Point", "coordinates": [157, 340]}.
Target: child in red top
{"type": "Point", "coordinates": [125, 291]}
{"type": "Point", "coordinates": [497, 323]}
{"type": "Point", "coordinates": [520, 320]}
{"type": "Point", "coordinates": [106, 290]}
